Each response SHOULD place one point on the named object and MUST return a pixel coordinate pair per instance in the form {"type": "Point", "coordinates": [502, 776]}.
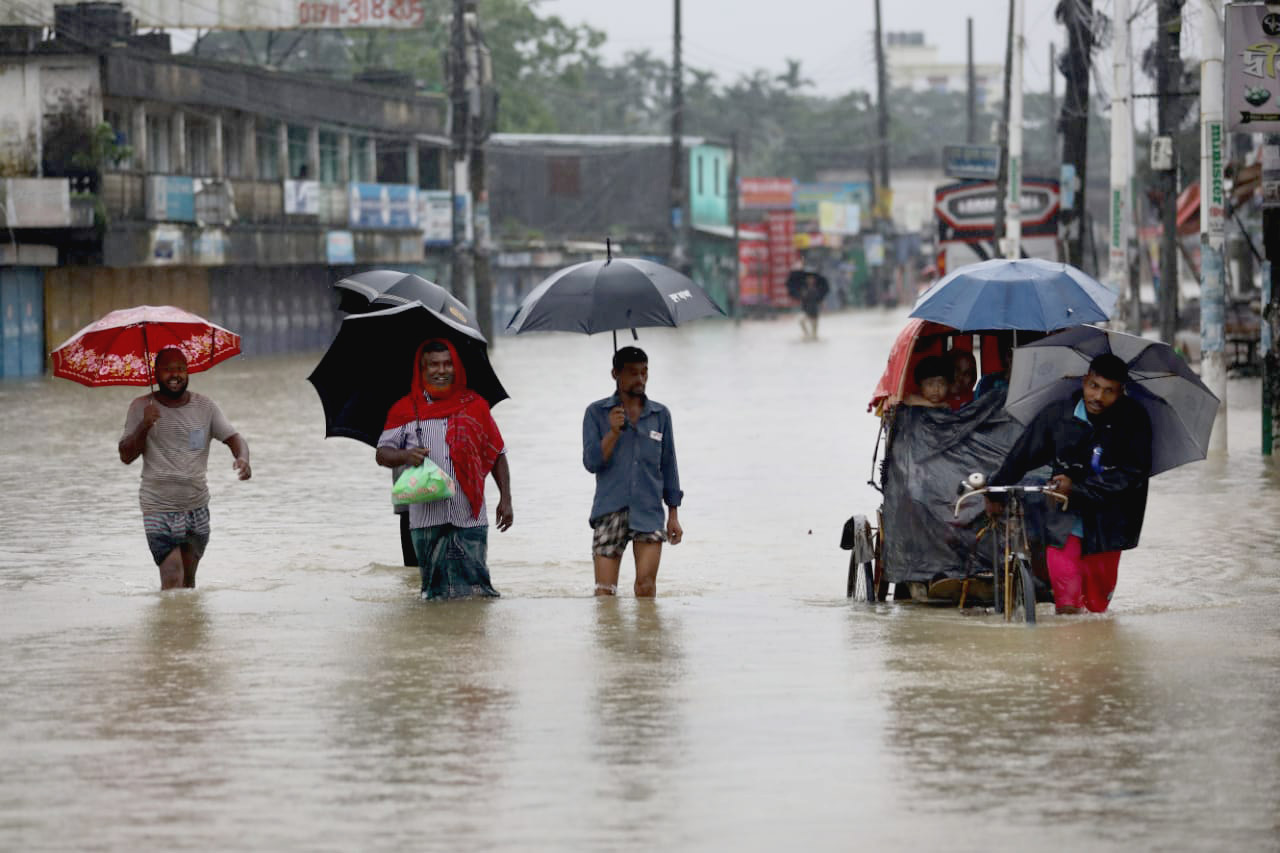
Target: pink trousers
{"type": "Point", "coordinates": [1078, 581]}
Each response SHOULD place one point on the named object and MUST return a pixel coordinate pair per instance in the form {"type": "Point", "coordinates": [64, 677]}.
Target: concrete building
{"type": "Point", "coordinates": [131, 175]}
{"type": "Point", "coordinates": [913, 64]}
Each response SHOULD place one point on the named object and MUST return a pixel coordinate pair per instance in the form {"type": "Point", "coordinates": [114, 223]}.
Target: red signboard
{"type": "Point", "coordinates": [754, 273]}
{"type": "Point", "coordinates": [781, 226]}
{"type": "Point", "coordinates": [766, 193]}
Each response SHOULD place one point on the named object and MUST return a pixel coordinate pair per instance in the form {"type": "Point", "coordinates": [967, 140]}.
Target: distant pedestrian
{"type": "Point", "coordinates": [171, 428]}
{"type": "Point", "coordinates": [628, 443]}
{"type": "Point", "coordinates": [1098, 443]}
{"type": "Point", "coordinates": [444, 420]}
{"type": "Point", "coordinates": [809, 289]}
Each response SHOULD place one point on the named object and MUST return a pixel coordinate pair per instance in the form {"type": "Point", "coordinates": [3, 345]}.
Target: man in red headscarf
{"type": "Point", "coordinates": [444, 420]}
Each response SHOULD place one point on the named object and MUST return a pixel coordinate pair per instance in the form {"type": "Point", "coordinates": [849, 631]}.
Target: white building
{"type": "Point", "coordinates": [913, 64]}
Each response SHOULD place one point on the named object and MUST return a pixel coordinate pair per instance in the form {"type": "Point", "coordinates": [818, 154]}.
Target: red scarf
{"type": "Point", "coordinates": [473, 437]}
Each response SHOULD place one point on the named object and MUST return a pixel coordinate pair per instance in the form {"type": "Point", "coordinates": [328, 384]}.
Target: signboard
{"type": "Point", "coordinates": [1249, 63]}
{"type": "Point", "coordinates": [766, 193]}
{"type": "Point", "coordinates": [435, 216]}
{"type": "Point", "coordinates": [168, 246]}
{"type": "Point", "coordinates": [302, 198]}
{"type": "Point", "coordinates": [243, 14]}
{"type": "Point", "coordinates": [781, 227]}
{"type": "Point", "coordinates": [390, 206]}
{"type": "Point", "coordinates": [753, 272]}
{"type": "Point", "coordinates": [339, 247]}
{"type": "Point", "coordinates": [971, 161]}
{"type": "Point", "coordinates": [171, 198]}
{"type": "Point", "coordinates": [809, 198]}
{"type": "Point", "coordinates": [837, 218]}
{"type": "Point", "coordinates": [964, 208]}
{"type": "Point", "coordinates": [209, 247]}
{"type": "Point", "coordinates": [36, 202]}
{"type": "Point", "coordinates": [1270, 177]}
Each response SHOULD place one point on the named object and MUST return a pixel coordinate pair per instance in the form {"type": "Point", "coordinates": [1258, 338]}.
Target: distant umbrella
{"type": "Point", "coordinates": [1181, 408]}
{"type": "Point", "coordinates": [375, 289]}
{"type": "Point", "coordinates": [616, 293]}
{"type": "Point", "coordinates": [118, 348]}
{"type": "Point", "coordinates": [1027, 293]}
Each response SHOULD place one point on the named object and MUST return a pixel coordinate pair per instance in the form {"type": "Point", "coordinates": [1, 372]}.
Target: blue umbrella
{"type": "Point", "coordinates": [1028, 294]}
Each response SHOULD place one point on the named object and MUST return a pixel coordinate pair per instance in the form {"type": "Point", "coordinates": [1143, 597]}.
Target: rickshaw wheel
{"type": "Point", "coordinates": [1024, 591]}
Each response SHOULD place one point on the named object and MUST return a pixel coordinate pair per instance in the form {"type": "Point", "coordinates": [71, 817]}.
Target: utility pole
{"type": "Point", "coordinates": [1002, 177]}
{"type": "Point", "coordinates": [678, 249]}
{"type": "Point", "coordinates": [479, 81]}
{"type": "Point", "coordinates": [459, 115]}
{"type": "Point", "coordinates": [1078, 18]}
{"type": "Point", "coordinates": [1013, 202]}
{"type": "Point", "coordinates": [1051, 125]}
{"type": "Point", "coordinates": [884, 223]}
{"type": "Point", "coordinates": [971, 90]}
{"type": "Point", "coordinates": [1270, 343]}
{"type": "Point", "coordinates": [1213, 208]}
{"type": "Point", "coordinates": [735, 294]}
{"type": "Point", "coordinates": [1168, 78]}
{"type": "Point", "coordinates": [1121, 157]}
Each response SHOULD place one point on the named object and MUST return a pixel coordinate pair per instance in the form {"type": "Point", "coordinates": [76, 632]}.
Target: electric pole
{"type": "Point", "coordinates": [1051, 126]}
{"type": "Point", "coordinates": [882, 119]}
{"type": "Point", "coordinates": [1121, 157]}
{"type": "Point", "coordinates": [971, 90]}
{"type": "Point", "coordinates": [460, 123]}
{"type": "Point", "coordinates": [1002, 176]}
{"type": "Point", "coordinates": [1213, 208]}
{"type": "Point", "coordinates": [1168, 79]}
{"type": "Point", "coordinates": [1013, 202]}
{"type": "Point", "coordinates": [1077, 15]}
{"type": "Point", "coordinates": [479, 78]}
{"type": "Point", "coordinates": [1270, 301]}
{"type": "Point", "coordinates": [678, 257]}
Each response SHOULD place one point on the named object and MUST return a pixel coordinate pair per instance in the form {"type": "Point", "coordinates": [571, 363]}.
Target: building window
{"type": "Point", "coordinates": [199, 147]}
{"type": "Point", "coordinates": [330, 157]}
{"type": "Point", "coordinates": [392, 165]}
{"type": "Point", "coordinates": [232, 156]}
{"type": "Point", "coordinates": [359, 160]}
{"type": "Point", "coordinates": [268, 152]}
{"type": "Point", "coordinates": [700, 191]}
{"type": "Point", "coordinates": [297, 164]}
{"type": "Point", "coordinates": [158, 143]}
{"type": "Point", "coordinates": [564, 176]}
{"type": "Point", "coordinates": [715, 173]}
{"type": "Point", "coordinates": [430, 170]}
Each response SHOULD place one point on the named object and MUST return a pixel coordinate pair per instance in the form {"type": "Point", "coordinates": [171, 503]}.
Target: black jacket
{"type": "Point", "coordinates": [1110, 504]}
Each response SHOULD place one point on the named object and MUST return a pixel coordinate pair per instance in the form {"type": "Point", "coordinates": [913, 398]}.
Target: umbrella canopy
{"type": "Point", "coordinates": [1027, 293]}
{"type": "Point", "coordinates": [797, 280]}
{"type": "Point", "coordinates": [118, 349]}
{"type": "Point", "coordinates": [369, 366]}
{"type": "Point", "coordinates": [618, 293]}
{"type": "Point", "coordinates": [375, 289]}
{"type": "Point", "coordinates": [1181, 408]}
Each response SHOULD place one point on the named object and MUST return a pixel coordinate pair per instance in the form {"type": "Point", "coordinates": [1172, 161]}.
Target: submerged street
{"type": "Point", "coordinates": [303, 697]}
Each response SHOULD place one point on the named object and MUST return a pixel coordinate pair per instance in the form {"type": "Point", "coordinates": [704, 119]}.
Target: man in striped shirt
{"type": "Point", "coordinates": [171, 429]}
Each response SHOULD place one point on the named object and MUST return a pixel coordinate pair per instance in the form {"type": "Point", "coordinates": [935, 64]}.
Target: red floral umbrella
{"type": "Point", "coordinates": [117, 349]}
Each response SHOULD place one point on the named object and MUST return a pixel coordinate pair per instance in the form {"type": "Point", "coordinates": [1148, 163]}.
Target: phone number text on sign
{"type": "Point", "coordinates": [362, 13]}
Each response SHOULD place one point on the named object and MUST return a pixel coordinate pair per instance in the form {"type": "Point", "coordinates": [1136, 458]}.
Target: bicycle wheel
{"type": "Point", "coordinates": [1024, 586]}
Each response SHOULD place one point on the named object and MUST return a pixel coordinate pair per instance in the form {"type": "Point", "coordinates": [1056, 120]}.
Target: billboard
{"type": "Point", "coordinates": [766, 193]}
{"type": "Point", "coordinates": [1249, 64]}
{"type": "Point", "coordinates": [243, 14]}
{"type": "Point", "coordinates": [383, 206]}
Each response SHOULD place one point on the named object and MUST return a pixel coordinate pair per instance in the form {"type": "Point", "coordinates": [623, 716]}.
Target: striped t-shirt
{"type": "Point", "coordinates": [457, 509]}
{"type": "Point", "coordinates": [176, 456]}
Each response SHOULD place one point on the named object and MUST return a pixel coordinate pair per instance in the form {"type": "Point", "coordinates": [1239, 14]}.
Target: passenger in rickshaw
{"type": "Point", "coordinates": [933, 375]}
{"type": "Point", "coordinates": [998, 380]}
{"type": "Point", "coordinates": [964, 370]}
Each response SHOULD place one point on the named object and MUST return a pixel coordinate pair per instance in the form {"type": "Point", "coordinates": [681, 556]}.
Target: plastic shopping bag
{"type": "Point", "coordinates": [422, 484]}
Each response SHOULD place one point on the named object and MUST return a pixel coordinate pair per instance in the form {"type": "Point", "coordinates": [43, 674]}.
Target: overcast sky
{"type": "Point", "coordinates": [833, 38]}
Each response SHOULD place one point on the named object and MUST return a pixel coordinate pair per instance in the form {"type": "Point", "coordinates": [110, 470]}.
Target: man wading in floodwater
{"type": "Point", "coordinates": [1099, 444]}
{"type": "Point", "coordinates": [171, 429]}
{"type": "Point", "coordinates": [628, 444]}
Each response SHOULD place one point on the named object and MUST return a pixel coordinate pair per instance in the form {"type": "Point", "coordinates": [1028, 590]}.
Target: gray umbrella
{"type": "Point", "coordinates": [618, 293]}
{"type": "Point", "coordinates": [1181, 408]}
{"type": "Point", "coordinates": [376, 289]}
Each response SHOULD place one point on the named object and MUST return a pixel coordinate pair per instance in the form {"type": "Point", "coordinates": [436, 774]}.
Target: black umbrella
{"type": "Point", "coordinates": [369, 366]}
{"type": "Point", "coordinates": [617, 293]}
{"type": "Point", "coordinates": [798, 279]}
{"type": "Point", "coordinates": [375, 289]}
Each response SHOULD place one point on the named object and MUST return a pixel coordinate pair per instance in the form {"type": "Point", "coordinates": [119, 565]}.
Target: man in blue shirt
{"type": "Point", "coordinates": [627, 442]}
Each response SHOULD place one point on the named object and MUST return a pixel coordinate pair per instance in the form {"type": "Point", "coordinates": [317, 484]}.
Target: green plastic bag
{"type": "Point", "coordinates": [422, 484]}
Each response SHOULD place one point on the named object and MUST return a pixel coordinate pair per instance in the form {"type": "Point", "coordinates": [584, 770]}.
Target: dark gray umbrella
{"type": "Point", "coordinates": [376, 289]}
{"type": "Point", "coordinates": [1181, 408]}
{"type": "Point", "coordinates": [617, 293]}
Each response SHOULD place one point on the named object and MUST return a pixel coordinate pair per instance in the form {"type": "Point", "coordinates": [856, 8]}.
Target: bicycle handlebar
{"type": "Point", "coordinates": [1044, 490]}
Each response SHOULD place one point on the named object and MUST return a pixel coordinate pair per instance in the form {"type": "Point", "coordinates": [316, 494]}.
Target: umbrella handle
{"type": "Point", "coordinates": [146, 355]}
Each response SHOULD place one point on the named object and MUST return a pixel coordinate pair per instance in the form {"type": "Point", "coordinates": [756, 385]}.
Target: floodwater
{"type": "Point", "coordinates": [303, 698]}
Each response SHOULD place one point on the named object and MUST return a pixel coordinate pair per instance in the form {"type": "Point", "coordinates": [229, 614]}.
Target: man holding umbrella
{"type": "Point", "coordinates": [627, 442]}
{"type": "Point", "coordinates": [1098, 442]}
{"type": "Point", "coordinates": [171, 429]}
{"type": "Point", "coordinates": [441, 418]}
